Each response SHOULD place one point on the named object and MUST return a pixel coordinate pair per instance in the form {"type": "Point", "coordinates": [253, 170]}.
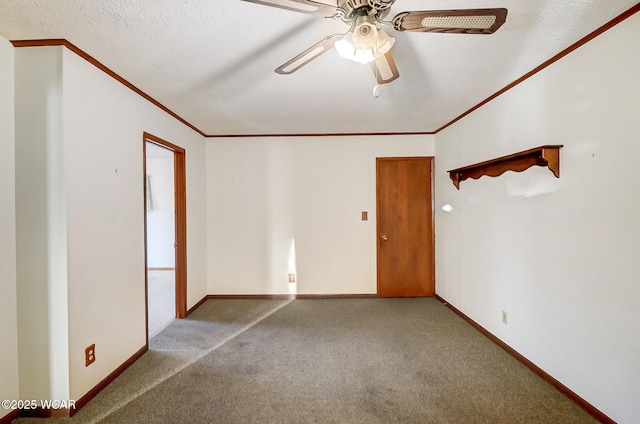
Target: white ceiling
{"type": "Point", "coordinates": [212, 61]}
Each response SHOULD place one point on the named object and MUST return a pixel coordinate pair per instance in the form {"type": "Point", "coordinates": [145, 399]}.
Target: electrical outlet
{"type": "Point", "coordinates": [505, 318]}
{"type": "Point", "coordinates": [292, 278]}
{"type": "Point", "coordinates": [90, 355]}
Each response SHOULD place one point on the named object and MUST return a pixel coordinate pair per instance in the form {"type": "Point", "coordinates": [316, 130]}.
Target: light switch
{"type": "Point", "coordinates": [365, 215]}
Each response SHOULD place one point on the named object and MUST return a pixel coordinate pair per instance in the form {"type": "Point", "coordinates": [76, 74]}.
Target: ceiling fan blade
{"type": "Point", "coordinates": [466, 21]}
{"type": "Point", "coordinates": [308, 55]}
{"type": "Point", "coordinates": [384, 68]}
{"type": "Point", "coordinates": [304, 6]}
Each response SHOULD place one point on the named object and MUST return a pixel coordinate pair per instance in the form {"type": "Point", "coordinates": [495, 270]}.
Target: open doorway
{"type": "Point", "coordinates": [165, 232]}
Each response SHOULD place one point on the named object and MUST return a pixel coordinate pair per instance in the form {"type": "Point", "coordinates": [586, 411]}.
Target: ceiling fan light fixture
{"type": "Point", "coordinates": [384, 43]}
{"type": "Point", "coordinates": [364, 44]}
{"type": "Point", "coordinates": [348, 50]}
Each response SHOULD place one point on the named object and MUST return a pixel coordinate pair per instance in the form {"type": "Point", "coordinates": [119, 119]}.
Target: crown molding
{"type": "Point", "coordinates": [319, 134]}
{"type": "Point", "coordinates": [615, 21]}
{"type": "Point", "coordinates": [64, 43]}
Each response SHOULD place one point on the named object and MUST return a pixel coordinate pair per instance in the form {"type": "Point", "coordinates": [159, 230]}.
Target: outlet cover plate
{"type": "Point", "coordinates": [90, 355]}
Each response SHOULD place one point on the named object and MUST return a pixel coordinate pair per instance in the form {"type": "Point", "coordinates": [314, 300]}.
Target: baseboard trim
{"type": "Point", "coordinates": [80, 403]}
{"type": "Point", "coordinates": [252, 296]}
{"type": "Point", "coordinates": [337, 296]}
{"type": "Point", "coordinates": [161, 268]}
{"type": "Point", "coordinates": [291, 296]}
{"type": "Point", "coordinates": [10, 417]}
{"type": "Point", "coordinates": [592, 410]}
{"type": "Point", "coordinates": [40, 412]}
{"type": "Point", "coordinates": [196, 306]}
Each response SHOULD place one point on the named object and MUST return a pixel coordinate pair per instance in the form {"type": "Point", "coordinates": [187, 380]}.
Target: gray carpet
{"type": "Point", "coordinates": [326, 361]}
{"type": "Point", "coordinates": [161, 299]}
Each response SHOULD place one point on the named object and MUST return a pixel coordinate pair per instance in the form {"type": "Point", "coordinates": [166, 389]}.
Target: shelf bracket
{"type": "Point", "coordinates": [548, 155]}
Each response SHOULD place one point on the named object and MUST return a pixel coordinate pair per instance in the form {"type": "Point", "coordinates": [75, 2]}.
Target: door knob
{"type": "Point", "coordinates": [384, 237]}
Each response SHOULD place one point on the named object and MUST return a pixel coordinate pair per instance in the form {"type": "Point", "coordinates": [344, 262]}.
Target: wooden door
{"type": "Point", "coordinates": [405, 227]}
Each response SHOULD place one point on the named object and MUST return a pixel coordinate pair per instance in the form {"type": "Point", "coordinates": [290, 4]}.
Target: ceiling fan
{"type": "Point", "coordinates": [365, 42]}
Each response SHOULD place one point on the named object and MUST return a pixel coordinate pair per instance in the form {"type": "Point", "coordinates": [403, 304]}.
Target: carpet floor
{"type": "Point", "coordinates": [161, 299]}
{"type": "Point", "coordinates": [326, 361]}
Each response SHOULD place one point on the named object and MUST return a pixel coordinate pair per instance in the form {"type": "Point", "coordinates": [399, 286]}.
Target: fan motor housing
{"type": "Point", "coordinates": [354, 8]}
{"type": "Point", "coordinates": [350, 6]}
{"type": "Point", "coordinates": [381, 4]}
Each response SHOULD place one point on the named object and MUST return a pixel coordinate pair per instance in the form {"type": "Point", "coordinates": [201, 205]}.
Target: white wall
{"type": "Point", "coordinates": [8, 302]}
{"type": "Point", "coordinates": [104, 124]}
{"type": "Point", "coordinates": [559, 255]}
{"type": "Point", "coordinates": [41, 224]}
{"type": "Point", "coordinates": [161, 215]}
{"type": "Point", "coordinates": [80, 219]}
{"type": "Point", "coordinates": [293, 205]}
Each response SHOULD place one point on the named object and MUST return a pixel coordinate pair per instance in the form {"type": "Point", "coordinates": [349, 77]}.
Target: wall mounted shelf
{"type": "Point", "coordinates": [548, 156]}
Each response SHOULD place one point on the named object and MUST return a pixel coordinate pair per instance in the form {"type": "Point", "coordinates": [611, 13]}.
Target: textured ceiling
{"type": "Point", "coordinates": [212, 61]}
